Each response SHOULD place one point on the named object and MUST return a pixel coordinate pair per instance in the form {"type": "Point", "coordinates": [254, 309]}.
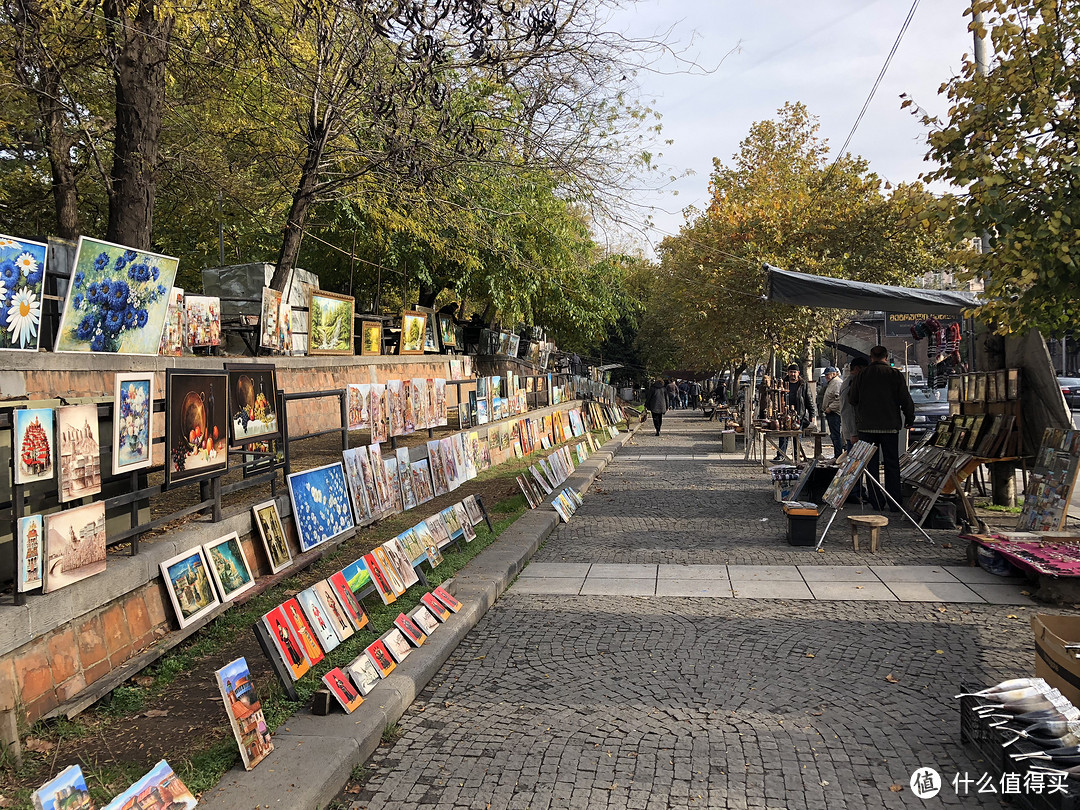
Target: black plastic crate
{"type": "Point", "coordinates": [984, 740]}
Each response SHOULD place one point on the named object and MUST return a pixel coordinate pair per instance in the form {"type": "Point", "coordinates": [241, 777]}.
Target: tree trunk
{"type": "Point", "coordinates": [139, 48]}
{"type": "Point", "coordinates": [58, 145]}
{"type": "Point", "coordinates": [303, 199]}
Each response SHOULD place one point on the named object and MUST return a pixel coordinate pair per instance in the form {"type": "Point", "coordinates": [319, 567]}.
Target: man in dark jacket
{"type": "Point", "coordinates": [883, 407]}
{"type": "Point", "coordinates": [672, 394]}
{"type": "Point", "coordinates": [799, 398]}
{"type": "Point", "coordinates": [656, 403]}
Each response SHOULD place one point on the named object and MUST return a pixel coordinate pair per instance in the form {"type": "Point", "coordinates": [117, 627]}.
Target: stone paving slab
{"type": "Point", "coordinates": [693, 588]}
{"type": "Point", "coordinates": [912, 573]}
{"type": "Point", "coordinates": [837, 573]}
{"type": "Point", "coordinates": [1001, 594]}
{"type": "Point", "coordinates": [565, 585]}
{"type": "Point", "coordinates": [756, 589]}
{"type": "Point", "coordinates": [607, 571]}
{"type": "Point", "coordinates": [934, 592]}
{"type": "Point", "coordinates": [684, 572]}
{"type": "Point", "coordinates": [555, 570]}
{"type": "Point", "coordinates": [598, 586]}
{"type": "Point", "coordinates": [971, 574]}
{"type": "Point", "coordinates": [857, 591]}
{"type": "Point", "coordinates": [764, 573]}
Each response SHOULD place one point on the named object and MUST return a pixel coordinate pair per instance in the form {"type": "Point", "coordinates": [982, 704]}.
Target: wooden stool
{"type": "Point", "coordinates": [873, 522]}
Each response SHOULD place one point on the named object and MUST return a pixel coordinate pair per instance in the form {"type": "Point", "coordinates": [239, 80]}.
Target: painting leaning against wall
{"type": "Point", "coordinates": [22, 284]}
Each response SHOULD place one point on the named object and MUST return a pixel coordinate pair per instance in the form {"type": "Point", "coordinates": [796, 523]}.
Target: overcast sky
{"type": "Point", "coordinates": [824, 53]}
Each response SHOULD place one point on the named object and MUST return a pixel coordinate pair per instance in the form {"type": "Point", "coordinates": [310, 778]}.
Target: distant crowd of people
{"type": "Point", "coordinates": [665, 395]}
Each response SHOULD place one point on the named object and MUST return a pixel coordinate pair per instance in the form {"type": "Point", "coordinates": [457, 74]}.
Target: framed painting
{"type": "Point", "coordinates": [117, 300]}
{"type": "Point", "coordinates": [33, 445]}
{"type": "Point", "coordinates": [22, 285]}
{"type": "Point", "coordinates": [252, 403]}
{"type": "Point", "coordinates": [80, 456]}
{"type": "Point", "coordinates": [413, 330]}
{"type": "Point", "coordinates": [287, 642]}
{"type": "Point", "coordinates": [31, 546]}
{"type": "Point", "coordinates": [381, 658]}
{"type": "Point", "coordinates": [202, 321]}
{"type": "Point", "coordinates": [396, 644]}
{"type": "Point", "coordinates": [316, 613]}
{"type": "Point", "coordinates": [245, 712]}
{"type": "Point", "coordinates": [172, 335]}
{"type": "Point", "coordinates": [342, 688]}
{"type": "Point", "coordinates": [320, 501]}
{"type": "Point", "coordinates": [196, 408]}
{"type": "Point", "coordinates": [330, 323]}
{"type": "Point", "coordinates": [74, 545]}
{"type": "Point", "coordinates": [269, 333]}
{"type": "Point", "coordinates": [133, 408]}
{"type": "Point", "coordinates": [69, 786]}
{"type": "Point", "coordinates": [357, 577]}
{"type": "Point", "coordinates": [431, 330]}
{"type": "Point", "coordinates": [348, 600]}
{"type": "Point", "coordinates": [336, 613]}
{"type": "Point", "coordinates": [273, 535]}
{"type": "Point", "coordinates": [187, 579]}
{"type": "Point", "coordinates": [446, 329]}
{"type": "Point", "coordinates": [370, 338]}
{"type": "Point", "coordinates": [295, 614]}
{"type": "Point", "coordinates": [229, 567]}
{"type": "Point", "coordinates": [363, 673]}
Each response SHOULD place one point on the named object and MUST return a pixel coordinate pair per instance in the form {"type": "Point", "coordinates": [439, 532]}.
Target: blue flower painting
{"type": "Point", "coordinates": [320, 501]}
{"type": "Point", "coordinates": [22, 281]}
{"type": "Point", "coordinates": [117, 301]}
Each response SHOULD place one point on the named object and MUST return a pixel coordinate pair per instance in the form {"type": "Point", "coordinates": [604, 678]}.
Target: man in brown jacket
{"type": "Point", "coordinates": [883, 407]}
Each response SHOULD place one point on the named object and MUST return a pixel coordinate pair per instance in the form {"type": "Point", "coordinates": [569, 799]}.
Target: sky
{"type": "Point", "coordinates": [824, 53]}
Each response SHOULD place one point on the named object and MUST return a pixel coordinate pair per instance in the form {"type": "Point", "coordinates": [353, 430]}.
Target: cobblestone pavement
{"type": "Point", "coordinates": [621, 702]}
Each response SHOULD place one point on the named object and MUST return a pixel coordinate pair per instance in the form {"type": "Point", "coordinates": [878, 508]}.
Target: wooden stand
{"type": "Point", "coordinates": [875, 523]}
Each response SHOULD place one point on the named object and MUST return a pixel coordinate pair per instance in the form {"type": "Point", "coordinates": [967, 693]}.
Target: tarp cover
{"type": "Point", "coordinates": [805, 290]}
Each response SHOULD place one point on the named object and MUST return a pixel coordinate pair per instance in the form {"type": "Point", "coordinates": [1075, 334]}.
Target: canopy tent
{"type": "Point", "coordinates": [802, 289]}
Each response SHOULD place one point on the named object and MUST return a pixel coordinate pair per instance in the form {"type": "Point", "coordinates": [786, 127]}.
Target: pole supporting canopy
{"type": "Point", "coordinates": [805, 290]}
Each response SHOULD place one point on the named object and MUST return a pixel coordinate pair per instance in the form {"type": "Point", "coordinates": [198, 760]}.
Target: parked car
{"type": "Point", "coordinates": [1070, 387]}
{"type": "Point", "coordinates": [931, 407]}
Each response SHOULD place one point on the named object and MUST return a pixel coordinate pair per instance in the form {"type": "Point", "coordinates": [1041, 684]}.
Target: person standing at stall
{"type": "Point", "coordinates": [800, 399]}
{"type": "Point", "coordinates": [656, 403]}
{"type": "Point", "coordinates": [830, 406]}
{"type": "Point", "coordinates": [883, 407]}
{"type": "Point", "coordinates": [849, 432]}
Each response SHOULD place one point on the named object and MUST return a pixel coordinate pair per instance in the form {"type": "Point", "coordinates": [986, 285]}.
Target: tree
{"type": "Point", "coordinates": [780, 202]}
{"type": "Point", "coordinates": [1010, 144]}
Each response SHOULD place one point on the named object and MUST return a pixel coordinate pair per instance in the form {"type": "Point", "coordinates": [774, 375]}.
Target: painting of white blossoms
{"type": "Point", "coordinates": [320, 502]}
{"type": "Point", "coordinates": [22, 280]}
{"type": "Point", "coordinates": [117, 300]}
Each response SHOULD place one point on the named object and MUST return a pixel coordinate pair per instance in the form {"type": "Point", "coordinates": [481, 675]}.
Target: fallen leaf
{"type": "Point", "coordinates": [1026, 593]}
{"type": "Point", "coordinates": [892, 678]}
{"type": "Point", "coordinates": [941, 610]}
{"type": "Point", "coordinates": [940, 652]}
{"type": "Point", "coordinates": [823, 783]}
{"type": "Point", "coordinates": [858, 587]}
{"type": "Point", "coordinates": [896, 788]}
{"type": "Point", "coordinates": [1012, 616]}
{"type": "Point", "coordinates": [354, 789]}
{"type": "Point", "coordinates": [809, 655]}
{"type": "Point", "coordinates": [37, 746]}
{"type": "Point", "coordinates": [157, 713]}
{"type": "Point", "coordinates": [143, 680]}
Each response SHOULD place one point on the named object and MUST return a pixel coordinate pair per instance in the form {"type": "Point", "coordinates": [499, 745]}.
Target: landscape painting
{"type": "Point", "coordinates": [245, 712]}
{"type": "Point", "coordinates": [22, 285]}
{"type": "Point", "coordinates": [117, 300]}
{"type": "Point", "coordinates": [330, 326]}
{"type": "Point", "coordinates": [431, 333]}
{"type": "Point", "coordinates": [413, 327]}
{"type": "Point", "coordinates": [133, 408]}
{"type": "Point", "coordinates": [229, 566]}
{"type": "Point", "coordinates": [357, 577]}
{"type": "Point", "coordinates": [33, 445]}
{"type": "Point", "coordinates": [80, 456]}
{"type": "Point", "coordinates": [320, 501]}
{"type": "Point", "coordinates": [68, 789]}
{"type": "Point", "coordinates": [370, 338]}
{"type": "Point", "coordinates": [187, 579]}
{"type": "Point", "coordinates": [161, 789]}
{"type": "Point", "coordinates": [253, 413]}
{"type": "Point", "coordinates": [196, 408]}
{"type": "Point", "coordinates": [74, 545]}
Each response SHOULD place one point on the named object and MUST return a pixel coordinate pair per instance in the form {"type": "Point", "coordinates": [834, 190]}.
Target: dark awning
{"type": "Point", "coordinates": [805, 290]}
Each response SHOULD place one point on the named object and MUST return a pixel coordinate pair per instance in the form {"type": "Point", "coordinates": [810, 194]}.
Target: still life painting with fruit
{"type": "Point", "coordinates": [195, 430]}
{"type": "Point", "coordinates": [253, 413]}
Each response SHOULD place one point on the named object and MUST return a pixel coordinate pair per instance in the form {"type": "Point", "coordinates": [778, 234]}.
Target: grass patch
{"type": "Point", "coordinates": [391, 734]}
{"type": "Point", "coordinates": [124, 701]}
{"type": "Point", "coordinates": [1011, 510]}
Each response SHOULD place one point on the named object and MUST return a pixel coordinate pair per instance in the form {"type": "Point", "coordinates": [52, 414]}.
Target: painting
{"type": "Point", "coordinates": [381, 658]}
{"type": "Point", "coordinates": [161, 789]}
{"type": "Point", "coordinates": [187, 579]}
{"type": "Point", "coordinates": [446, 329]}
{"type": "Point", "coordinates": [399, 558]}
{"type": "Point", "coordinates": [318, 619]}
{"type": "Point", "coordinates": [390, 467]}
{"type": "Point", "coordinates": [455, 475]}
{"type": "Point", "coordinates": [80, 457]}
{"type": "Point", "coordinates": [424, 620]}
{"type": "Point", "coordinates": [444, 596]}
{"type": "Point", "coordinates": [172, 335]}
{"type": "Point", "coordinates": [438, 467]}
{"type": "Point", "coordinates": [285, 335]}
{"type": "Point", "coordinates": [229, 566]}
{"type": "Point", "coordinates": [341, 688]}
{"type": "Point", "coordinates": [245, 712]}
{"type": "Point", "coordinates": [378, 471]}
{"type": "Point", "coordinates": [74, 545]}
{"type": "Point", "coordinates": [379, 417]}
{"type": "Point", "coordinates": [31, 545]}
{"type": "Point", "coordinates": [273, 535]}
{"type": "Point", "coordinates": [196, 408]}
{"type": "Point", "coordinates": [370, 338]}
{"type": "Point", "coordinates": [386, 591]}
{"type": "Point", "coordinates": [133, 407]}
{"type": "Point", "coordinates": [348, 600]}
{"type": "Point", "coordinates": [421, 480]}
{"type": "Point", "coordinates": [405, 482]}
{"type": "Point", "coordinates": [22, 284]}
{"type": "Point", "coordinates": [431, 330]}
{"type": "Point", "coordinates": [357, 577]}
{"type": "Point", "coordinates": [287, 642]}
{"type": "Point", "coordinates": [472, 506]}
{"type": "Point", "coordinates": [202, 321]}
{"type": "Point", "coordinates": [269, 334]}
{"type": "Point", "coordinates": [320, 504]}
{"type": "Point", "coordinates": [67, 789]}
{"type": "Point", "coordinates": [358, 406]}
{"type": "Point", "coordinates": [336, 613]}
{"type": "Point", "coordinates": [364, 673]}
{"type": "Point", "coordinates": [395, 396]}
{"type": "Point", "coordinates": [419, 394]}
{"type": "Point", "coordinates": [466, 524]}
{"type": "Point", "coordinates": [413, 329]}
{"type": "Point", "coordinates": [438, 610]}
{"type": "Point", "coordinates": [330, 323]}
{"type": "Point", "coordinates": [253, 413]}
{"type": "Point", "coordinates": [396, 643]}
{"type": "Point", "coordinates": [33, 445]}
{"type": "Point", "coordinates": [295, 615]}
{"type": "Point", "coordinates": [410, 629]}
{"type": "Point", "coordinates": [357, 475]}
{"type": "Point", "coordinates": [388, 569]}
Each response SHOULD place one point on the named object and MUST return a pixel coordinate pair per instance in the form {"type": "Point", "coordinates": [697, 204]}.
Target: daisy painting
{"type": "Point", "coordinates": [320, 501]}
{"type": "Point", "coordinates": [22, 281]}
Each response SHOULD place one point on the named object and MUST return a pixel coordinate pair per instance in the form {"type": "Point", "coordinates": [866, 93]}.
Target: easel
{"type": "Point", "coordinates": [854, 470]}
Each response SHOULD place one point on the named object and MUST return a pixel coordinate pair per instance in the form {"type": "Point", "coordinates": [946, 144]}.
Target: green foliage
{"type": "Point", "coordinates": [1009, 142]}
{"type": "Point", "coordinates": [782, 202]}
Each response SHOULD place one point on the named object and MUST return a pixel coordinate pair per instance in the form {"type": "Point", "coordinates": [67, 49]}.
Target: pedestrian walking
{"type": "Point", "coordinates": [656, 403]}
{"type": "Point", "coordinates": [799, 398]}
{"type": "Point", "coordinates": [672, 394]}
{"type": "Point", "coordinates": [695, 394]}
{"type": "Point", "coordinates": [848, 429]}
{"type": "Point", "coordinates": [830, 406]}
{"type": "Point", "coordinates": [684, 394]}
{"type": "Point", "coordinates": [883, 407]}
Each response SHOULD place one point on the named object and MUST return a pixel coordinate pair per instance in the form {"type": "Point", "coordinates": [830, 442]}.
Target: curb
{"type": "Point", "coordinates": [314, 756]}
